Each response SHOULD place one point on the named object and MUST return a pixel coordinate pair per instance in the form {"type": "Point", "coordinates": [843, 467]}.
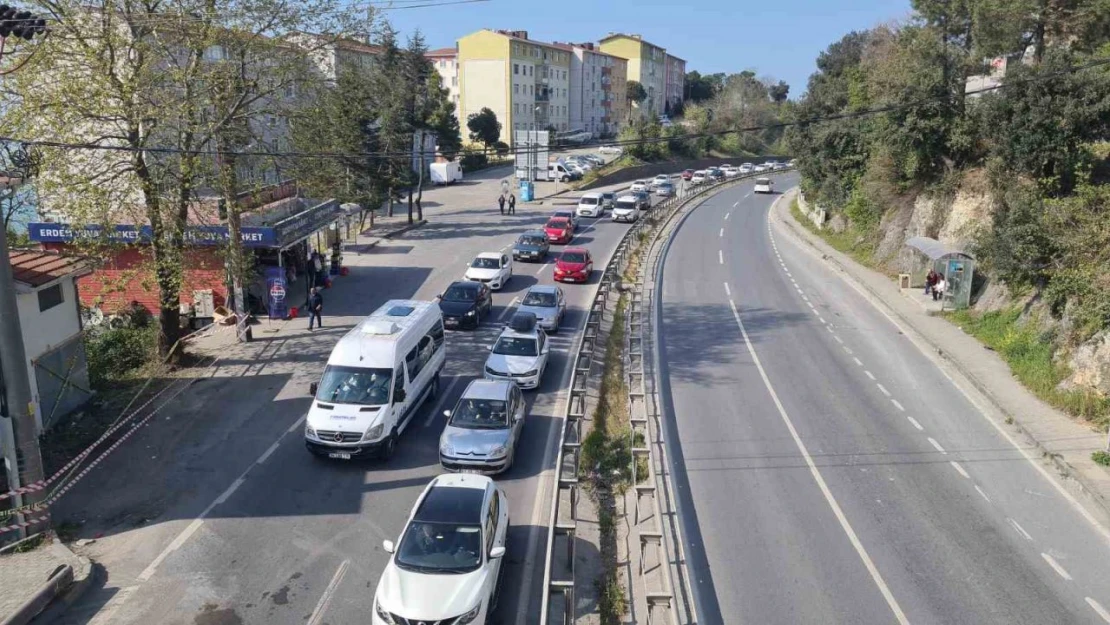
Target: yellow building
{"type": "Point", "coordinates": [647, 64]}
{"type": "Point", "coordinates": [524, 82]}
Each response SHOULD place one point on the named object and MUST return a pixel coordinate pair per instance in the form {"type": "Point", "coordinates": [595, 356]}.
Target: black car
{"type": "Point", "coordinates": [531, 245]}
{"type": "Point", "coordinates": [716, 174]}
{"type": "Point", "coordinates": [464, 303]}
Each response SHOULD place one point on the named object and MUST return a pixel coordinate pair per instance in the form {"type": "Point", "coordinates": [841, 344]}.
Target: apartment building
{"type": "Point", "coordinates": [597, 89]}
{"type": "Point", "coordinates": [646, 65]}
{"type": "Point", "coordinates": [675, 83]}
{"type": "Point", "coordinates": [526, 83]}
{"type": "Point", "coordinates": [446, 62]}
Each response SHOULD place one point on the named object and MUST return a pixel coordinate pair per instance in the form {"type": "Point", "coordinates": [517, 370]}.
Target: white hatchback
{"type": "Point", "coordinates": [447, 565]}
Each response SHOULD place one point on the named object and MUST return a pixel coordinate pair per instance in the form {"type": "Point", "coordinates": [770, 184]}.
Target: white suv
{"type": "Point", "coordinates": [590, 205]}
{"type": "Point", "coordinates": [447, 565]}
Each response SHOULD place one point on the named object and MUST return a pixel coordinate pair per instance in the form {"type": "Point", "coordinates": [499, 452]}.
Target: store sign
{"type": "Point", "coordinates": [304, 223]}
{"type": "Point", "coordinates": [125, 233]}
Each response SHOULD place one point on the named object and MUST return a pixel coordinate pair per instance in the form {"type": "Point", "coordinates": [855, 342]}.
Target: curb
{"type": "Point", "coordinates": [1063, 468]}
{"type": "Point", "coordinates": [64, 587]}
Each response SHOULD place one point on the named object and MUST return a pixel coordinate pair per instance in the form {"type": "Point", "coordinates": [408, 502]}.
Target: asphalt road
{"type": "Point", "coordinates": [217, 515]}
{"type": "Point", "coordinates": [829, 471]}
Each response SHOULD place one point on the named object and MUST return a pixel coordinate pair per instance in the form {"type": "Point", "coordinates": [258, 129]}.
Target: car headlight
{"type": "Point", "coordinates": [490, 370]}
{"type": "Point", "coordinates": [470, 313]}
{"type": "Point", "coordinates": [499, 451]}
{"type": "Point", "coordinates": [469, 616]}
{"type": "Point", "coordinates": [383, 615]}
{"type": "Point", "coordinates": [309, 431]}
{"type": "Point", "coordinates": [532, 372]}
{"type": "Point", "coordinates": [373, 432]}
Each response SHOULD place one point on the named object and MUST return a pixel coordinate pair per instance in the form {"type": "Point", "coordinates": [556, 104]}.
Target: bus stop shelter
{"type": "Point", "coordinates": [955, 265]}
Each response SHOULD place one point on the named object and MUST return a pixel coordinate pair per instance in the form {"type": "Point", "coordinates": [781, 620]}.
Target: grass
{"type": "Point", "coordinates": [859, 245]}
{"type": "Point", "coordinates": [1030, 356]}
{"type": "Point", "coordinates": [1101, 457]}
{"type": "Point", "coordinates": [606, 451]}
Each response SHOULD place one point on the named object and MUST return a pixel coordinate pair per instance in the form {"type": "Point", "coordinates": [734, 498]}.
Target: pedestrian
{"type": "Point", "coordinates": [315, 306]}
{"type": "Point", "coordinates": [930, 281]}
{"type": "Point", "coordinates": [512, 203]}
{"type": "Point", "coordinates": [501, 203]}
{"type": "Point", "coordinates": [318, 268]}
{"type": "Point", "coordinates": [938, 288]}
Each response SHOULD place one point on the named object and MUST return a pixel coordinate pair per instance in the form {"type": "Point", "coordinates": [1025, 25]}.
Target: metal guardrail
{"type": "Point", "coordinates": [586, 354]}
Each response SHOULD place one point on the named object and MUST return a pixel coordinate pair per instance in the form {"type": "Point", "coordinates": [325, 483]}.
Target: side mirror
{"type": "Point", "coordinates": [388, 546]}
{"type": "Point", "coordinates": [496, 553]}
{"type": "Point", "coordinates": [489, 348]}
{"type": "Point", "coordinates": [519, 417]}
{"type": "Point", "coordinates": [312, 388]}
{"type": "Point", "coordinates": [399, 395]}
{"type": "Point", "coordinates": [447, 413]}
{"type": "Point", "coordinates": [440, 296]}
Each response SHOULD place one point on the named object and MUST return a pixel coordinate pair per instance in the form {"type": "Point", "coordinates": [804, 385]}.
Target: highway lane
{"type": "Point", "coordinates": [836, 475]}
{"type": "Point", "coordinates": [294, 538]}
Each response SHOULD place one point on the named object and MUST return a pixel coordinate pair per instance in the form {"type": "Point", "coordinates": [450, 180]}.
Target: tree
{"type": "Point", "coordinates": [779, 92]}
{"type": "Point", "coordinates": [16, 160]}
{"type": "Point", "coordinates": [697, 88]}
{"type": "Point", "coordinates": [484, 128]}
{"type": "Point", "coordinates": [636, 94]}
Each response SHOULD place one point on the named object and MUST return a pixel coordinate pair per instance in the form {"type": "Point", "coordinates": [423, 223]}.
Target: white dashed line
{"type": "Point", "coordinates": [883, 389]}
{"type": "Point", "coordinates": [1061, 571]}
{"type": "Point", "coordinates": [858, 361]}
{"type": "Point", "coordinates": [981, 493]}
{"type": "Point", "coordinates": [728, 291]}
{"type": "Point", "coordinates": [540, 270]}
{"type": "Point", "coordinates": [735, 204]}
{"type": "Point", "coordinates": [811, 306]}
{"type": "Point", "coordinates": [821, 319]}
{"type": "Point", "coordinates": [839, 340]}
{"type": "Point", "coordinates": [443, 395]}
{"type": "Point", "coordinates": [269, 451]}
{"type": "Point", "coordinates": [846, 350]}
{"type": "Point", "coordinates": [329, 592]}
{"type": "Point", "coordinates": [508, 309]}
{"type": "Point", "coordinates": [798, 289]}
{"type": "Point", "coordinates": [959, 469]}
{"type": "Point", "coordinates": [1019, 529]}
{"type": "Point", "coordinates": [829, 328]}
{"type": "Point", "coordinates": [1097, 607]}
{"type": "Point", "coordinates": [916, 424]}
{"type": "Point", "coordinates": [805, 298]}
{"type": "Point", "coordinates": [869, 374]}
{"type": "Point", "coordinates": [726, 216]}
{"type": "Point", "coordinates": [935, 444]}
{"type": "Point", "coordinates": [898, 405]}
{"type": "Point", "coordinates": [722, 233]}
{"type": "Point", "coordinates": [720, 257]}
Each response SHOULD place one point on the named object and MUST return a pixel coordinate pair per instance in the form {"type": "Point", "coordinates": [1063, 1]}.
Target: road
{"type": "Point", "coordinates": [216, 514]}
{"type": "Point", "coordinates": [829, 471]}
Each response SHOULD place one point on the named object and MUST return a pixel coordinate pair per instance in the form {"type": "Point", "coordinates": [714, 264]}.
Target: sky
{"type": "Point", "coordinates": [779, 38]}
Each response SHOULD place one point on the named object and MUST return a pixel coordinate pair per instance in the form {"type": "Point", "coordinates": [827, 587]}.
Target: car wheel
{"type": "Point", "coordinates": [434, 391]}
{"type": "Point", "coordinates": [390, 446]}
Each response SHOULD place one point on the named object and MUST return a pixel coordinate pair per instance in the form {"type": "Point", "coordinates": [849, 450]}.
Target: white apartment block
{"type": "Point", "coordinates": [446, 62]}
{"type": "Point", "coordinates": [596, 105]}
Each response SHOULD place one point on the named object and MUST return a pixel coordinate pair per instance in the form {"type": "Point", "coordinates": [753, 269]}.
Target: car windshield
{"type": "Point", "coordinates": [573, 257]}
{"type": "Point", "coordinates": [355, 385]}
{"type": "Point", "coordinates": [665, 185]}
{"type": "Point", "coordinates": [626, 203]}
{"type": "Point", "coordinates": [558, 224]}
{"type": "Point", "coordinates": [440, 548]}
{"type": "Point", "coordinates": [589, 201]}
{"type": "Point", "coordinates": [480, 414]}
{"type": "Point", "coordinates": [763, 181]}
{"type": "Point", "coordinates": [484, 263]}
{"type": "Point", "coordinates": [530, 240]}
{"type": "Point", "coordinates": [516, 346]}
{"type": "Point", "coordinates": [563, 215]}
{"type": "Point", "coordinates": [460, 294]}
{"type": "Point", "coordinates": [538, 298]}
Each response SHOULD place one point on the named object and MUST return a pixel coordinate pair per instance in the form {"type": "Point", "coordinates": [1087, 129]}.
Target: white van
{"type": "Point", "coordinates": [764, 185]}
{"type": "Point", "coordinates": [559, 171]}
{"type": "Point", "coordinates": [376, 378]}
{"type": "Point", "coordinates": [590, 205]}
{"type": "Point", "coordinates": [626, 208]}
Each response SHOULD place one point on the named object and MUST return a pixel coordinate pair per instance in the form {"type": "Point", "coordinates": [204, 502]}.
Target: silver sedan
{"type": "Point", "coordinates": [548, 304]}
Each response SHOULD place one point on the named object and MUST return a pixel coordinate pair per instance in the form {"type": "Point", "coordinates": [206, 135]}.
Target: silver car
{"type": "Point", "coordinates": [548, 304]}
{"type": "Point", "coordinates": [483, 429]}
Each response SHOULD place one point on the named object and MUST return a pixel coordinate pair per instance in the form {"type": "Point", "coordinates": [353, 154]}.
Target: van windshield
{"type": "Point", "coordinates": [355, 385]}
{"type": "Point", "coordinates": [588, 201]}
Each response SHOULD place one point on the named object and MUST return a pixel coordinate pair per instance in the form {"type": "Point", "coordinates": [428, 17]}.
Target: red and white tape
{"type": "Point", "coordinates": [15, 527]}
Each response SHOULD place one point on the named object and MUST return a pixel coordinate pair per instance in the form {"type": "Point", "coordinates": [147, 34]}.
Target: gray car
{"type": "Point", "coordinates": [548, 304]}
{"type": "Point", "coordinates": [483, 429]}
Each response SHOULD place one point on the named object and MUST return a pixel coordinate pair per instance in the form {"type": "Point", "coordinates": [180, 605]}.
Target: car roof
{"type": "Point", "coordinates": [530, 334]}
{"type": "Point", "coordinates": [627, 196]}
{"type": "Point", "coordinates": [557, 218]}
{"type": "Point", "coordinates": [561, 213]}
{"type": "Point", "coordinates": [594, 195]}
{"type": "Point", "coordinates": [487, 389]}
{"type": "Point", "coordinates": [494, 255]}
{"type": "Point", "coordinates": [450, 500]}
{"type": "Point", "coordinates": [469, 284]}
{"type": "Point", "coordinates": [532, 233]}
{"type": "Point", "coordinates": [576, 250]}
{"type": "Point", "coordinates": [542, 288]}
{"type": "Point", "coordinates": [762, 180]}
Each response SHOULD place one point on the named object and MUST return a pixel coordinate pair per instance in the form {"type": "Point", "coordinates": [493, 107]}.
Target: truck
{"type": "Point", "coordinates": [446, 172]}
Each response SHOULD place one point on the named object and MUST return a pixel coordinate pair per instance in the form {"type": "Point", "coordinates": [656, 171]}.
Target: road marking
{"type": "Point", "coordinates": [793, 281]}
{"type": "Point", "coordinates": [981, 493]}
{"type": "Point", "coordinates": [1019, 529]}
{"type": "Point", "coordinates": [883, 389]}
{"type": "Point", "coordinates": [821, 319]}
{"type": "Point", "coordinates": [858, 361]}
{"type": "Point", "coordinates": [805, 298]}
{"type": "Point", "coordinates": [721, 257]}
{"type": "Point", "coordinates": [722, 233]}
{"type": "Point", "coordinates": [798, 289]}
{"type": "Point", "coordinates": [811, 306]}
{"type": "Point", "coordinates": [295, 426]}
{"type": "Point", "coordinates": [839, 340]}
{"type": "Point", "coordinates": [829, 498]}
{"type": "Point", "coordinates": [1097, 607]}
{"type": "Point", "coordinates": [1061, 571]}
{"type": "Point", "coordinates": [935, 444]}
{"type": "Point", "coordinates": [869, 374]}
{"type": "Point", "coordinates": [726, 216]}
{"type": "Point", "coordinates": [728, 291]}
{"type": "Point", "coordinates": [542, 267]}
{"type": "Point", "coordinates": [269, 451]}
{"type": "Point", "coordinates": [508, 309]}
{"type": "Point", "coordinates": [898, 405]}
{"type": "Point", "coordinates": [846, 350]}
{"type": "Point", "coordinates": [329, 593]}
{"type": "Point", "coordinates": [959, 469]}
{"type": "Point", "coordinates": [734, 205]}
{"type": "Point", "coordinates": [916, 424]}
{"type": "Point", "coordinates": [443, 395]}
{"type": "Point", "coordinates": [109, 610]}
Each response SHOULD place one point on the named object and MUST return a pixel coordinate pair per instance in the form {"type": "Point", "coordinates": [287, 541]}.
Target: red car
{"type": "Point", "coordinates": [687, 174]}
{"type": "Point", "coordinates": [574, 265]}
{"type": "Point", "coordinates": [559, 230]}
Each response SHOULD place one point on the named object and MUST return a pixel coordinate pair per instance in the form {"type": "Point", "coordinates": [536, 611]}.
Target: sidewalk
{"type": "Point", "coordinates": [34, 579]}
{"type": "Point", "coordinates": [1064, 442]}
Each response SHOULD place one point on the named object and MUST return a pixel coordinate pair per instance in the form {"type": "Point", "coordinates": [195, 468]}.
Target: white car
{"type": "Point", "coordinates": [590, 205]}
{"type": "Point", "coordinates": [759, 168]}
{"type": "Point", "coordinates": [730, 171]}
{"type": "Point", "coordinates": [611, 149]}
{"type": "Point", "coordinates": [626, 209]}
{"type": "Point", "coordinates": [764, 185]}
{"type": "Point", "coordinates": [446, 567]}
{"type": "Point", "coordinates": [699, 177]}
{"type": "Point", "coordinates": [492, 268]}
{"type": "Point", "coordinates": [520, 353]}
{"type": "Point", "coordinates": [658, 180]}
{"type": "Point", "coordinates": [746, 168]}
{"type": "Point", "coordinates": [640, 185]}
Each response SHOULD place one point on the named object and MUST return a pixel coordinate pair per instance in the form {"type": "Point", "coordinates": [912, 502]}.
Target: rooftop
{"type": "Point", "coordinates": [36, 268]}
{"type": "Point", "coordinates": [442, 52]}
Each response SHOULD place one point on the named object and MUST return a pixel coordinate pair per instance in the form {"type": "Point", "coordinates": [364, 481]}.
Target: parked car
{"type": "Point", "coordinates": [569, 216]}
{"type": "Point", "coordinates": [643, 198]}
{"type": "Point", "coordinates": [531, 245]}
{"type": "Point", "coordinates": [687, 174]}
{"type": "Point", "coordinates": [699, 177]}
{"type": "Point", "coordinates": [590, 205]}
{"type": "Point", "coordinates": [660, 179]}
{"type": "Point", "coordinates": [640, 185]}
{"type": "Point", "coordinates": [492, 268]}
{"type": "Point", "coordinates": [607, 199]}
{"type": "Point", "coordinates": [561, 172]}
{"type": "Point", "coordinates": [558, 231]}
{"type": "Point", "coordinates": [574, 265]}
{"type": "Point", "coordinates": [483, 429]}
{"type": "Point", "coordinates": [626, 208]}
{"type": "Point", "coordinates": [464, 303]}
{"type": "Point", "coordinates": [595, 159]}
{"type": "Point", "coordinates": [548, 304]}
{"type": "Point", "coordinates": [665, 190]}
{"type": "Point", "coordinates": [520, 352]}
{"type": "Point", "coordinates": [611, 149]}
{"type": "Point", "coordinates": [764, 185]}
{"type": "Point", "coordinates": [446, 566]}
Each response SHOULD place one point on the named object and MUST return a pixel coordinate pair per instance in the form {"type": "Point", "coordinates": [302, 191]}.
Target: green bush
{"type": "Point", "coordinates": [472, 160]}
{"type": "Point", "coordinates": [113, 353]}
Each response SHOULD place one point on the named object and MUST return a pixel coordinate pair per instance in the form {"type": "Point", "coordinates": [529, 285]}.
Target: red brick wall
{"type": "Point", "coordinates": [126, 277]}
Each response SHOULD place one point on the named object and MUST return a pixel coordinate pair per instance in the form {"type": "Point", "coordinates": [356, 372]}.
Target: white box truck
{"type": "Point", "coordinates": [446, 172]}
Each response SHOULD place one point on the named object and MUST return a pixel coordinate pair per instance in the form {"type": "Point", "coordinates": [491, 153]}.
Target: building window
{"type": "Point", "coordinates": [516, 69]}
{"type": "Point", "coordinates": [530, 68]}
{"type": "Point", "coordinates": [454, 81]}
{"type": "Point", "coordinates": [50, 297]}
{"type": "Point", "coordinates": [516, 88]}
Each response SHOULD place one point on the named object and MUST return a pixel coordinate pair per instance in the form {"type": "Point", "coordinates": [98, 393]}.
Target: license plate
{"type": "Point", "coordinates": [452, 322]}
{"type": "Point", "coordinates": [341, 455]}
